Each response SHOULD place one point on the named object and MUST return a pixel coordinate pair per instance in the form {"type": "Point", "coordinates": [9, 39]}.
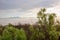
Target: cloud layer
{"type": "Point", "coordinates": [26, 4]}
{"type": "Point", "coordinates": [18, 8]}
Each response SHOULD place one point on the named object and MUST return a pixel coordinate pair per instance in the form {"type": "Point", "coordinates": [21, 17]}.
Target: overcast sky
{"type": "Point", "coordinates": [26, 8]}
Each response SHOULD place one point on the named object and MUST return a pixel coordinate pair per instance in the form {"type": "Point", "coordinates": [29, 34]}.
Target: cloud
{"type": "Point", "coordinates": [26, 4]}
{"type": "Point", "coordinates": [18, 13]}
{"type": "Point", "coordinates": [10, 13]}
{"type": "Point", "coordinates": [24, 8]}
{"type": "Point", "coordinates": [28, 13]}
{"type": "Point", "coordinates": [55, 10]}
{"type": "Point", "coordinates": [31, 12]}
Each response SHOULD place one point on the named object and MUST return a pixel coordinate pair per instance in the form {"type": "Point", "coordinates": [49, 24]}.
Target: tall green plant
{"type": "Point", "coordinates": [46, 21]}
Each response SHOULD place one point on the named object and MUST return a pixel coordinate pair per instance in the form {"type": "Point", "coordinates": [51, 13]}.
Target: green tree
{"type": "Point", "coordinates": [46, 22]}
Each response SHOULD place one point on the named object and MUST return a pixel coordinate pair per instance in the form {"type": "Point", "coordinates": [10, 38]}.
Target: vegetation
{"type": "Point", "coordinates": [46, 29]}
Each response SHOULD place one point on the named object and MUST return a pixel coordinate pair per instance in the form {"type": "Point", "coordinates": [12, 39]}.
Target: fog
{"type": "Point", "coordinates": [15, 21]}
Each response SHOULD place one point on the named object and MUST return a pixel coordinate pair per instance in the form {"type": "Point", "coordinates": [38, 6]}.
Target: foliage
{"type": "Point", "coordinates": [36, 34]}
{"type": "Point", "coordinates": [46, 22]}
{"type": "Point", "coordinates": [11, 33]}
{"type": "Point", "coordinates": [45, 29]}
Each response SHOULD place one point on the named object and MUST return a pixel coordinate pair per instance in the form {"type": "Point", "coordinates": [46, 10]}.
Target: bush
{"type": "Point", "coordinates": [53, 34]}
{"type": "Point", "coordinates": [0, 37]}
{"type": "Point", "coordinates": [11, 33]}
{"type": "Point", "coordinates": [36, 34]}
{"type": "Point", "coordinates": [20, 34]}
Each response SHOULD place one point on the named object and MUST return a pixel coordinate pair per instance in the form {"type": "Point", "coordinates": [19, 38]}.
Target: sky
{"type": "Point", "coordinates": [27, 8]}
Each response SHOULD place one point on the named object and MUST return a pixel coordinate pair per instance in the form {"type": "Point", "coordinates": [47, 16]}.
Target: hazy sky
{"type": "Point", "coordinates": [27, 8]}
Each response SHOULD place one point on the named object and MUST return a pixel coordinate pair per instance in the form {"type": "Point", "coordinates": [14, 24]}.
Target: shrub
{"type": "Point", "coordinates": [36, 34]}
{"type": "Point", "coordinates": [6, 35]}
{"type": "Point", "coordinates": [0, 37]}
{"type": "Point", "coordinates": [53, 34]}
{"type": "Point", "coordinates": [11, 33]}
{"type": "Point", "coordinates": [20, 34]}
